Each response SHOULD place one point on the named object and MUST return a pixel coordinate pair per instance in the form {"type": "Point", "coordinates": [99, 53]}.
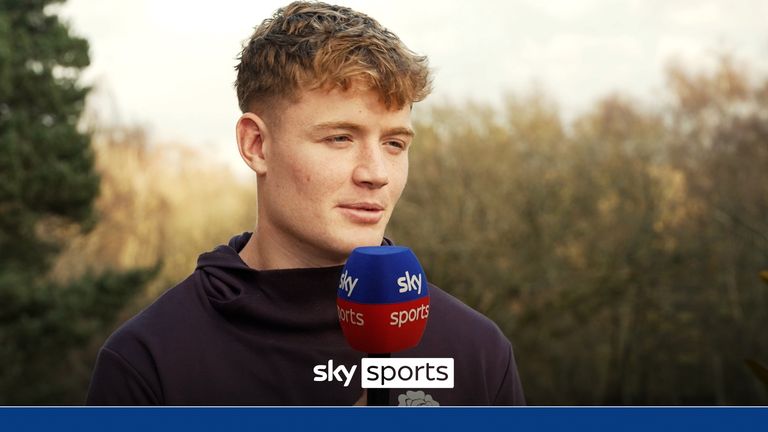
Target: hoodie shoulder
{"type": "Point", "coordinates": [485, 367]}
{"type": "Point", "coordinates": [168, 310]}
{"type": "Point", "coordinates": [455, 317]}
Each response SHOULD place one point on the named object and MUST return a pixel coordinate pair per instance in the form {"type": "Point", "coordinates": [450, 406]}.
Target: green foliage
{"type": "Point", "coordinates": [46, 163]}
{"type": "Point", "coordinates": [41, 326]}
{"type": "Point", "coordinates": [47, 182]}
{"type": "Point", "coordinates": [618, 252]}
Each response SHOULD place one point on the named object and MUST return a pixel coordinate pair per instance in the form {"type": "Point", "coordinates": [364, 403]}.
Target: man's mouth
{"type": "Point", "coordinates": [366, 213]}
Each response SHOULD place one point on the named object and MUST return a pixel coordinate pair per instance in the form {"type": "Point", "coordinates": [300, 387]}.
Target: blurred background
{"type": "Point", "coordinates": [591, 175]}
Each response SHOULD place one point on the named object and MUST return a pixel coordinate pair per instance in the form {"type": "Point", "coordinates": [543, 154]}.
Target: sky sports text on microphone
{"type": "Point", "coordinates": [391, 373]}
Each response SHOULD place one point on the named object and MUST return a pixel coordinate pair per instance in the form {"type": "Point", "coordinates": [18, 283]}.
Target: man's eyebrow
{"type": "Point", "coordinates": [401, 131]}
{"type": "Point", "coordinates": [358, 128]}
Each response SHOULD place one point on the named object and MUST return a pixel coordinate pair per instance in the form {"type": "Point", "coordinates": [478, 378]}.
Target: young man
{"type": "Point", "coordinates": [326, 95]}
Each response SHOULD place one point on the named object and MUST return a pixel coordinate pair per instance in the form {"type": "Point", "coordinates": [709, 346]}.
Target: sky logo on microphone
{"type": "Point", "coordinates": [409, 283]}
{"type": "Point", "coordinates": [347, 283]}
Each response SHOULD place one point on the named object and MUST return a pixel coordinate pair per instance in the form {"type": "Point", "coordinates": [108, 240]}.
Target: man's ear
{"type": "Point", "coordinates": [253, 140]}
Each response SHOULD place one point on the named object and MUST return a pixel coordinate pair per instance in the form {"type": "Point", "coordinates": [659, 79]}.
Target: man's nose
{"type": "Point", "coordinates": [371, 168]}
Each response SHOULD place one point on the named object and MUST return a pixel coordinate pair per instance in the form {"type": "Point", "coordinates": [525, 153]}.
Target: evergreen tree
{"type": "Point", "coordinates": [47, 180]}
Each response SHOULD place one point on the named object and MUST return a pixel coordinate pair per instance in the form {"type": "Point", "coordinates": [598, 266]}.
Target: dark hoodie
{"type": "Point", "coordinates": [232, 335]}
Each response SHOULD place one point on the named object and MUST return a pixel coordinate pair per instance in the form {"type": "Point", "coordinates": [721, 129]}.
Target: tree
{"type": "Point", "coordinates": [620, 251]}
{"type": "Point", "coordinates": [47, 188]}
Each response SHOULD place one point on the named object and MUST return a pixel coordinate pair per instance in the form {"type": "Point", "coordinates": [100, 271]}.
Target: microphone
{"type": "Point", "coordinates": [382, 303]}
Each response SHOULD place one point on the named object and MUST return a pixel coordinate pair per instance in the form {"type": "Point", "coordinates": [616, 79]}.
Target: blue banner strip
{"type": "Point", "coordinates": [390, 419]}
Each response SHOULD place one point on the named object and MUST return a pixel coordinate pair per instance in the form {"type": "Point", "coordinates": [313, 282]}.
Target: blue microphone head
{"type": "Point", "coordinates": [383, 299]}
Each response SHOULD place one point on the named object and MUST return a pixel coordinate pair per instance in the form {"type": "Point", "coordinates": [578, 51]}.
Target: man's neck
{"type": "Point", "coordinates": [263, 252]}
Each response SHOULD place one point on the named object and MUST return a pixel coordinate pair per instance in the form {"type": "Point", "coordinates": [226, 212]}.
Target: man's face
{"type": "Point", "coordinates": [336, 164]}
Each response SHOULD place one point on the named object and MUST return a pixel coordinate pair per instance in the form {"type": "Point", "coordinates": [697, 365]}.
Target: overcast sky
{"type": "Point", "coordinates": [168, 64]}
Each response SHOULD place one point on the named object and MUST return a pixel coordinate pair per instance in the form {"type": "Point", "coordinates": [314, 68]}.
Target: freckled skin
{"type": "Point", "coordinates": [330, 149]}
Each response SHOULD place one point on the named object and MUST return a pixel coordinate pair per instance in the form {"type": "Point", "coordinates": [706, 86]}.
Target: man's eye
{"type": "Point", "coordinates": [338, 139]}
{"type": "Point", "coordinates": [397, 144]}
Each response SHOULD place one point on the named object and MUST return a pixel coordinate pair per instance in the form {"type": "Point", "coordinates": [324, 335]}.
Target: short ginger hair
{"type": "Point", "coordinates": [308, 45]}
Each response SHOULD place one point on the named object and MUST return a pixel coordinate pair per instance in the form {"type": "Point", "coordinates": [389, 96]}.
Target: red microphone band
{"type": "Point", "coordinates": [383, 328]}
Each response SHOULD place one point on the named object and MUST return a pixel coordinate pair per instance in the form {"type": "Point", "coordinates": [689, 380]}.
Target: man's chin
{"type": "Point", "coordinates": [348, 245]}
